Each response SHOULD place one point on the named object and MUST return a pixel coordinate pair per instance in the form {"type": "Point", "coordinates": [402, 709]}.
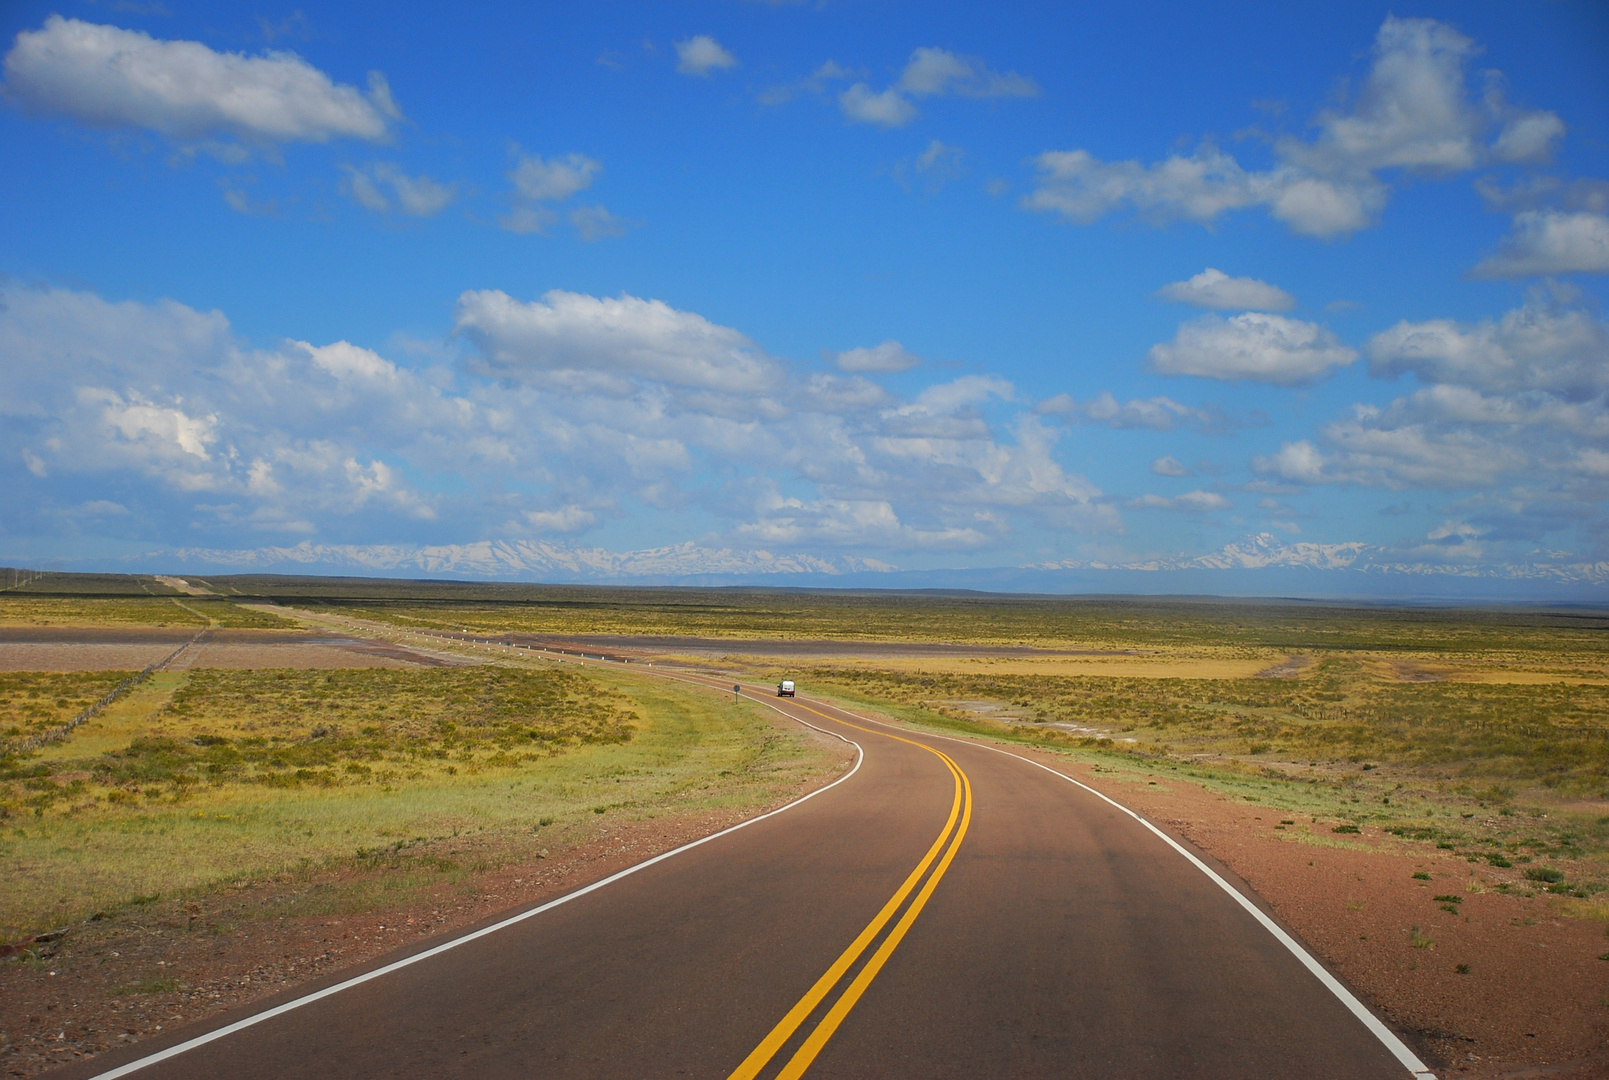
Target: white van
{"type": "Point", "coordinates": [785, 688]}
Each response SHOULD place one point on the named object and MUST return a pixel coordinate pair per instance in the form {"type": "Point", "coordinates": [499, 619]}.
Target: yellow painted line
{"type": "Point", "coordinates": [817, 1039]}
{"type": "Point", "coordinates": [785, 1028]}
{"type": "Point", "coordinates": [762, 1054]}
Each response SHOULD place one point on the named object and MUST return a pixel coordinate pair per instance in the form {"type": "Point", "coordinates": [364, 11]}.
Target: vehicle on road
{"type": "Point", "coordinates": [785, 688]}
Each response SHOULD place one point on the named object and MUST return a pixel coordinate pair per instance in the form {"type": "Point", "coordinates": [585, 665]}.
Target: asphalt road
{"type": "Point", "coordinates": [946, 911]}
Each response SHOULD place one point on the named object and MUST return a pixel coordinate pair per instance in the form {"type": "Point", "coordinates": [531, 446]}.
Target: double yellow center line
{"type": "Point", "coordinates": [951, 835]}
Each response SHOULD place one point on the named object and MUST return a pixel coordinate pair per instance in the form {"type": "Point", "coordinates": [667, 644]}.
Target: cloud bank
{"type": "Point", "coordinates": [107, 77]}
{"type": "Point", "coordinates": [1414, 113]}
{"type": "Point", "coordinates": [566, 414]}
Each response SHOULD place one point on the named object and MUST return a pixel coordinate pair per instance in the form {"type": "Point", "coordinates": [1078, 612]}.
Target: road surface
{"type": "Point", "coordinates": [947, 910]}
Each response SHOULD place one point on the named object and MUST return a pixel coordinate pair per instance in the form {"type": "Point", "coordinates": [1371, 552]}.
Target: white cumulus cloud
{"type": "Point", "coordinates": [888, 109]}
{"type": "Point", "coordinates": [930, 72]}
{"type": "Point", "coordinates": [1196, 502]}
{"type": "Point", "coordinates": [524, 220]}
{"type": "Point", "coordinates": [105, 76]}
{"type": "Point", "coordinates": [1414, 113]}
{"type": "Point", "coordinates": [1547, 242]}
{"type": "Point", "coordinates": [1079, 186]}
{"type": "Point", "coordinates": [346, 361]}
{"type": "Point", "coordinates": [1170, 466]}
{"type": "Point", "coordinates": [587, 340]}
{"type": "Point", "coordinates": [597, 223]}
{"type": "Point", "coordinates": [849, 523]}
{"type": "Point", "coordinates": [416, 196]}
{"type": "Point", "coordinates": [1388, 448]}
{"type": "Point", "coordinates": [538, 181]}
{"type": "Point", "coordinates": [1157, 414]}
{"type": "Point", "coordinates": [886, 358]}
{"type": "Point", "coordinates": [563, 520]}
{"type": "Point", "coordinates": [1511, 408]}
{"type": "Point", "coordinates": [1528, 137]}
{"type": "Point", "coordinates": [1215, 289]}
{"type": "Point", "coordinates": [553, 179]}
{"type": "Point", "coordinates": [1299, 461]}
{"type": "Point", "coordinates": [1414, 110]}
{"type": "Point", "coordinates": [568, 404]}
{"type": "Point", "coordinates": [1542, 346]}
{"type": "Point", "coordinates": [702, 54]}
{"type": "Point", "coordinates": [1252, 346]}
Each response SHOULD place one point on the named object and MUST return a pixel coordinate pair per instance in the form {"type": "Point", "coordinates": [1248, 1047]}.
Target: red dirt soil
{"type": "Point", "coordinates": [1535, 998]}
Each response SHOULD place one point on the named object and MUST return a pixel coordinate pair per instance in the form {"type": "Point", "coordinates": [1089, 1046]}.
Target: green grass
{"type": "Point", "coordinates": [687, 752]}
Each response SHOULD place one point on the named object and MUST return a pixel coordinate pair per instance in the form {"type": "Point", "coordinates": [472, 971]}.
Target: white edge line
{"type": "Point", "coordinates": [1389, 1038]}
{"type": "Point", "coordinates": [308, 999]}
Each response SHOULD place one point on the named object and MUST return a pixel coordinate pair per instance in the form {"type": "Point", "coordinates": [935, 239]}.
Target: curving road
{"type": "Point", "coordinates": [947, 910]}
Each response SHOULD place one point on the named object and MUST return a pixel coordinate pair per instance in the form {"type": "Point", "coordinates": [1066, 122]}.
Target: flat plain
{"type": "Point", "coordinates": [1483, 728]}
{"type": "Point", "coordinates": [364, 750]}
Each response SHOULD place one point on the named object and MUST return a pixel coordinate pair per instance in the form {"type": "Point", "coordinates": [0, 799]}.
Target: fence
{"type": "Point", "coordinates": [61, 731]}
{"type": "Point", "coordinates": [12, 577]}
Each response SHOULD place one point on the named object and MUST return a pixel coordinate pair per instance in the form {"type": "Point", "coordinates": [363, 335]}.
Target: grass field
{"type": "Point", "coordinates": [1478, 736]}
{"type": "Point", "coordinates": [1484, 732]}
{"type": "Point", "coordinates": [197, 781]}
{"type": "Point", "coordinates": [36, 701]}
{"type": "Point", "coordinates": [1503, 774]}
{"type": "Point", "coordinates": [26, 609]}
{"type": "Point", "coordinates": [36, 583]}
{"type": "Point", "coordinates": [1221, 627]}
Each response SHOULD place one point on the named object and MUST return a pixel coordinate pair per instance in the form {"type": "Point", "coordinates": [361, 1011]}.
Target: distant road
{"type": "Point", "coordinates": [946, 911]}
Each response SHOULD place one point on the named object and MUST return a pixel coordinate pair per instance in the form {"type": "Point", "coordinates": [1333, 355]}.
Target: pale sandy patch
{"type": "Point", "coordinates": [289, 655]}
{"type": "Point", "coordinates": [1412, 671]}
{"type": "Point", "coordinates": [61, 656]}
{"type": "Point", "coordinates": [183, 586]}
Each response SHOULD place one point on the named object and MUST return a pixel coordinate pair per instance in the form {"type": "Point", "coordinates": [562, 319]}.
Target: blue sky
{"type": "Point", "coordinates": [809, 292]}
